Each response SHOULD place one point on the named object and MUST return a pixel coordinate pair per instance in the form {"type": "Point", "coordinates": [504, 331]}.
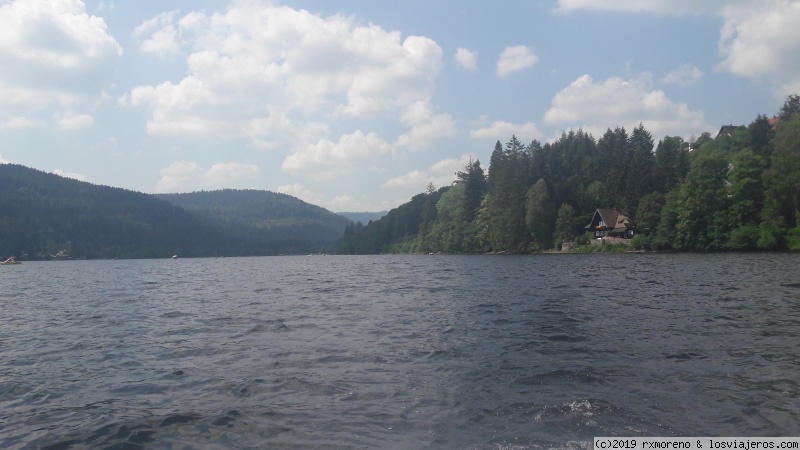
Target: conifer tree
{"type": "Point", "coordinates": [505, 206]}
{"type": "Point", "coordinates": [703, 213]}
{"type": "Point", "coordinates": [640, 169]}
{"type": "Point", "coordinates": [747, 198]}
{"type": "Point", "coordinates": [475, 187]}
{"type": "Point", "coordinates": [671, 162]}
{"type": "Point", "coordinates": [539, 216]}
{"type": "Point", "coordinates": [566, 224]}
{"type": "Point", "coordinates": [759, 137]}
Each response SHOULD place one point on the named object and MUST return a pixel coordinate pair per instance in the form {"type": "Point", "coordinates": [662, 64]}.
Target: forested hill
{"type": "Point", "coordinates": [736, 190]}
{"type": "Point", "coordinates": [281, 216]}
{"type": "Point", "coordinates": [44, 216]}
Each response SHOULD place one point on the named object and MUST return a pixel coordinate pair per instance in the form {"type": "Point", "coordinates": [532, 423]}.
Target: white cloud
{"type": "Point", "coordinates": [102, 6]}
{"type": "Point", "coordinates": [257, 61]}
{"type": "Point", "coordinates": [73, 175]}
{"type": "Point", "coordinates": [667, 7]}
{"type": "Point", "coordinates": [344, 202]}
{"type": "Point", "coordinates": [422, 134]}
{"type": "Point", "coordinates": [426, 126]}
{"type": "Point", "coordinates": [53, 55]}
{"type": "Point", "coordinates": [296, 190]}
{"type": "Point", "coordinates": [413, 179]}
{"type": "Point", "coordinates": [597, 106]}
{"type": "Point", "coordinates": [4, 161]}
{"type": "Point", "coordinates": [74, 121]}
{"type": "Point", "coordinates": [762, 40]}
{"type": "Point", "coordinates": [184, 175]}
{"type": "Point", "coordinates": [159, 35]}
{"type": "Point", "coordinates": [221, 174]}
{"type": "Point", "coordinates": [277, 129]}
{"type": "Point", "coordinates": [759, 39]}
{"type": "Point", "coordinates": [684, 75]}
{"type": "Point", "coordinates": [19, 122]}
{"type": "Point", "coordinates": [337, 156]}
{"type": "Point", "coordinates": [466, 59]}
{"type": "Point", "coordinates": [441, 173]}
{"type": "Point", "coordinates": [501, 130]}
{"type": "Point", "coordinates": [341, 202]}
{"type": "Point", "coordinates": [515, 58]}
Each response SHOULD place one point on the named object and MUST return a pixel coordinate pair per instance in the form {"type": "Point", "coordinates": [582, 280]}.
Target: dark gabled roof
{"type": "Point", "coordinates": [613, 219]}
{"type": "Point", "coordinates": [728, 130]}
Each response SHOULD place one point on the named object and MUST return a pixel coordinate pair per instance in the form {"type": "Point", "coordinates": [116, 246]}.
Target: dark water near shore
{"type": "Point", "coordinates": [495, 352]}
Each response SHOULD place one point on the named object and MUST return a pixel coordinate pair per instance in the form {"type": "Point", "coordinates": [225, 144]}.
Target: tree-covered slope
{"type": "Point", "coordinates": [279, 217]}
{"type": "Point", "coordinates": [43, 215]}
{"type": "Point", "coordinates": [739, 190]}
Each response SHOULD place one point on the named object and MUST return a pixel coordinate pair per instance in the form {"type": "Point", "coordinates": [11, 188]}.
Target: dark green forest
{"type": "Point", "coordinates": [738, 190]}
{"type": "Point", "coordinates": [45, 216]}
{"type": "Point", "coordinates": [282, 217]}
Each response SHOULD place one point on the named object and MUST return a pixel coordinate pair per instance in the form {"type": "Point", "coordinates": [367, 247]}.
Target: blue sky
{"type": "Point", "coordinates": [356, 106]}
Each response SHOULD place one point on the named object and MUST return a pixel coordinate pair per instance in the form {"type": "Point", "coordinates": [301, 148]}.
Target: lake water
{"type": "Point", "coordinates": [483, 352]}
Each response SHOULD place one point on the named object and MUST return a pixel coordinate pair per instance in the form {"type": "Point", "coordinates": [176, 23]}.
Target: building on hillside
{"type": "Point", "coordinates": [774, 122]}
{"type": "Point", "coordinates": [728, 130]}
{"type": "Point", "coordinates": [610, 223]}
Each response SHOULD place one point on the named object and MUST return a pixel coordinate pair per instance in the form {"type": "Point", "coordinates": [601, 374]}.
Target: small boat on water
{"type": "Point", "coordinates": [11, 260]}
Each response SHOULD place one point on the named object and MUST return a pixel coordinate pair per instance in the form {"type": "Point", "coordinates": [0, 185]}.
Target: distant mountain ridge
{"type": "Point", "coordinates": [364, 217]}
{"type": "Point", "coordinates": [44, 216]}
{"type": "Point", "coordinates": [286, 217]}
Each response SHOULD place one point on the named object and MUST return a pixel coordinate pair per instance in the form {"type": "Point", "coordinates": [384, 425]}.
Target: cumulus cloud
{"type": "Point", "coordinates": [466, 59]}
{"type": "Point", "coordinates": [74, 121]}
{"type": "Point", "coordinates": [415, 178]}
{"type": "Point", "coordinates": [73, 175]}
{"type": "Point", "coordinates": [425, 126]}
{"type": "Point", "coordinates": [296, 190]}
{"type": "Point", "coordinates": [327, 156]}
{"type": "Point", "coordinates": [500, 130]}
{"type": "Point", "coordinates": [184, 175]}
{"type": "Point", "coordinates": [597, 106]}
{"type": "Point", "coordinates": [53, 55]}
{"type": "Point", "coordinates": [256, 61]}
{"type": "Point", "coordinates": [670, 7]}
{"type": "Point", "coordinates": [344, 202]}
{"type": "Point", "coordinates": [20, 122]}
{"type": "Point", "coordinates": [103, 6]}
{"type": "Point", "coordinates": [341, 202]}
{"type": "Point", "coordinates": [684, 75]}
{"type": "Point", "coordinates": [515, 58]}
{"type": "Point", "coordinates": [421, 135]}
{"type": "Point", "coordinates": [759, 39]}
{"type": "Point", "coordinates": [159, 35]}
{"type": "Point", "coordinates": [441, 173]}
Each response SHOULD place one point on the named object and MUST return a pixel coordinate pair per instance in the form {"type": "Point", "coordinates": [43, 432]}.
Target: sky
{"type": "Point", "coordinates": [357, 106]}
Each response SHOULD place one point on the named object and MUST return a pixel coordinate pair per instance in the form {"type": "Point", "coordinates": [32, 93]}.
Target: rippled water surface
{"type": "Point", "coordinates": [397, 351]}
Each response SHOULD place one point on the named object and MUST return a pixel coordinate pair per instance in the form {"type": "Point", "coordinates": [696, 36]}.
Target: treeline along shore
{"type": "Point", "coordinates": [738, 190]}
